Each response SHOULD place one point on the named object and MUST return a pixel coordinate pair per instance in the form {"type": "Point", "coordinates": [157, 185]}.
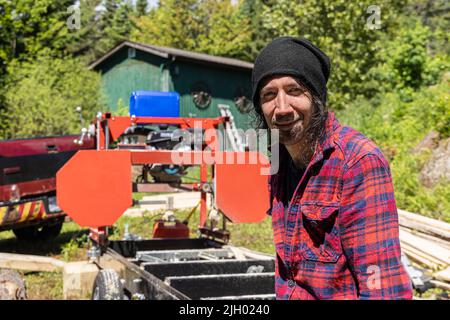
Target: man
{"type": "Point", "coordinates": [332, 200]}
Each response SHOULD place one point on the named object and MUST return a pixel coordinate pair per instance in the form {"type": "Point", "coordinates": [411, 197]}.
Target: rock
{"type": "Point", "coordinates": [437, 167]}
{"type": "Point", "coordinates": [12, 287]}
{"type": "Point", "coordinates": [430, 141]}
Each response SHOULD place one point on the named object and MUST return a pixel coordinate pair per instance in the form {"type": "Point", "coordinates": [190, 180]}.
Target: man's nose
{"type": "Point", "coordinates": [283, 110]}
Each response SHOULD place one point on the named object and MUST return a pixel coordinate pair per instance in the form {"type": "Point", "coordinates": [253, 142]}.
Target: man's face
{"type": "Point", "coordinates": [286, 106]}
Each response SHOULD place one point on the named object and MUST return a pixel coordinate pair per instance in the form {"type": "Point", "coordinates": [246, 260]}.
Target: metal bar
{"type": "Point", "coordinates": [206, 122]}
{"type": "Point", "coordinates": [139, 157]}
{"type": "Point", "coordinates": [179, 255]}
{"type": "Point", "coordinates": [192, 268]}
{"type": "Point", "coordinates": [203, 203]}
{"type": "Point", "coordinates": [163, 187]}
{"type": "Point", "coordinates": [129, 248]}
{"type": "Point", "coordinates": [197, 287]}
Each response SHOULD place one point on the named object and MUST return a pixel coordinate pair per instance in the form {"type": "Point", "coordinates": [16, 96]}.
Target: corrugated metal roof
{"type": "Point", "coordinates": [166, 52]}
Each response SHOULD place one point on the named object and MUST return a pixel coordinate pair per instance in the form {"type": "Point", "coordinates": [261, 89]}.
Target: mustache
{"type": "Point", "coordinates": [283, 118]}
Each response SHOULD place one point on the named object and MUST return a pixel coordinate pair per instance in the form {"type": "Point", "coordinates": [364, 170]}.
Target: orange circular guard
{"type": "Point", "coordinates": [241, 189]}
{"type": "Point", "coordinates": [94, 187]}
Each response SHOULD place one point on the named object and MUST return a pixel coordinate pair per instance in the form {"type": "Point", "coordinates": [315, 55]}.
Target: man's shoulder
{"type": "Point", "coordinates": [355, 146]}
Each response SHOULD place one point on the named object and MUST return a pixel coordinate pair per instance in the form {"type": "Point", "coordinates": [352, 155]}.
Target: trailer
{"type": "Point", "coordinates": [182, 269]}
{"type": "Point", "coordinates": [28, 183]}
{"type": "Point", "coordinates": [95, 188]}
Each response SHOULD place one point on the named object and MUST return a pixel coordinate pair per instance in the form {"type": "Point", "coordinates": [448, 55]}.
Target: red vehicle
{"type": "Point", "coordinates": [28, 187]}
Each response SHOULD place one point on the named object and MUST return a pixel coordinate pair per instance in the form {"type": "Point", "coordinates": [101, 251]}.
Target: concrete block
{"type": "Point", "coordinates": [78, 280]}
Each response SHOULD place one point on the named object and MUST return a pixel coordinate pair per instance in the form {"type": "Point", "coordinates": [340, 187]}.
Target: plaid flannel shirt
{"type": "Point", "coordinates": [341, 239]}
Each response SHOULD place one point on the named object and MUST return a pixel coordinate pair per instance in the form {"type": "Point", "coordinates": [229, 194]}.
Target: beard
{"type": "Point", "coordinates": [293, 135]}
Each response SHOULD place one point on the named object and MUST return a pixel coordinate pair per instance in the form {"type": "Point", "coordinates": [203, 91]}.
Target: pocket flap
{"type": "Point", "coordinates": [318, 211]}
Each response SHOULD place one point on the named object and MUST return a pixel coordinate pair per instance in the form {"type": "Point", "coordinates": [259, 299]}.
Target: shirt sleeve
{"type": "Point", "coordinates": [368, 223]}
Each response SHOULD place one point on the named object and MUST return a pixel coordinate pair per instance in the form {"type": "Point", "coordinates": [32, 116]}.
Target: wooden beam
{"type": "Point", "coordinates": [422, 220]}
{"type": "Point", "coordinates": [30, 262]}
{"type": "Point", "coordinates": [441, 285]}
{"type": "Point", "coordinates": [426, 246]}
{"type": "Point", "coordinates": [443, 275]}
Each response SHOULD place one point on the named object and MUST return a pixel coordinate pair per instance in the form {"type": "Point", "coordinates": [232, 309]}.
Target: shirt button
{"type": "Point", "coordinates": [291, 283]}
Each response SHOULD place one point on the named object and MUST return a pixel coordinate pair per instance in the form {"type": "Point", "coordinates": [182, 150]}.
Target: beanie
{"type": "Point", "coordinates": [295, 57]}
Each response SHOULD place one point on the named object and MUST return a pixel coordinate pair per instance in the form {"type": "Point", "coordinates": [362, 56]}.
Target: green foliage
{"type": "Point", "coordinates": [122, 109]}
{"type": "Point", "coordinates": [214, 27]}
{"type": "Point", "coordinates": [102, 28]}
{"type": "Point", "coordinates": [397, 125]}
{"type": "Point", "coordinates": [141, 7]}
{"type": "Point", "coordinates": [28, 26]}
{"type": "Point", "coordinates": [407, 64]}
{"type": "Point", "coordinates": [340, 29]}
{"type": "Point", "coordinates": [41, 97]}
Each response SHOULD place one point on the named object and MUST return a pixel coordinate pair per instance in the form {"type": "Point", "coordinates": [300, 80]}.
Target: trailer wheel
{"type": "Point", "coordinates": [38, 233]}
{"type": "Point", "coordinates": [107, 286]}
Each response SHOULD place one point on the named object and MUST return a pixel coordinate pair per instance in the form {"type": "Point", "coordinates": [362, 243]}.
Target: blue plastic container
{"type": "Point", "coordinates": [155, 104]}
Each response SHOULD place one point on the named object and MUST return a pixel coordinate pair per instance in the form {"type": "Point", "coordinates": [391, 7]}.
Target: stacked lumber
{"type": "Point", "coordinates": [426, 241]}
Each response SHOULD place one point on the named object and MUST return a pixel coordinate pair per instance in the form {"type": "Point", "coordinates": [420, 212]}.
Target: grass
{"type": "Point", "coordinates": [69, 246]}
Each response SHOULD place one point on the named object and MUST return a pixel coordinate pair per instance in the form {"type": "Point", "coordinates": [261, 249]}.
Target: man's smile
{"type": "Point", "coordinates": [285, 125]}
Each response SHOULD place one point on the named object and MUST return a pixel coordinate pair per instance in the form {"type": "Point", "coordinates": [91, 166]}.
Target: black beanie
{"type": "Point", "coordinates": [294, 57]}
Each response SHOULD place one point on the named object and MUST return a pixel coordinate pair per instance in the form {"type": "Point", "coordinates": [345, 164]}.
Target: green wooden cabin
{"type": "Point", "coordinates": [203, 81]}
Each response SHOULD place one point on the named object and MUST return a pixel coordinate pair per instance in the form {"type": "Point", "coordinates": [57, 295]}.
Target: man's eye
{"type": "Point", "coordinates": [295, 91]}
{"type": "Point", "coordinates": [268, 95]}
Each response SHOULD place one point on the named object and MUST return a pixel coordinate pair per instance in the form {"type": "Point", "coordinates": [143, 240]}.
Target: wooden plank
{"type": "Point", "coordinates": [439, 241]}
{"type": "Point", "coordinates": [424, 259]}
{"type": "Point", "coordinates": [418, 226]}
{"type": "Point", "coordinates": [441, 285]}
{"type": "Point", "coordinates": [30, 262]}
{"type": "Point", "coordinates": [426, 246]}
{"type": "Point", "coordinates": [417, 218]}
{"type": "Point", "coordinates": [419, 259]}
{"type": "Point", "coordinates": [443, 275]}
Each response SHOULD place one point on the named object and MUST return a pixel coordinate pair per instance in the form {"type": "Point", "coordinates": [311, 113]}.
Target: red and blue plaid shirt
{"type": "Point", "coordinates": [341, 238]}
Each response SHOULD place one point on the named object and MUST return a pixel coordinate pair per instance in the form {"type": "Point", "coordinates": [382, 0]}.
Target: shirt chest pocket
{"type": "Point", "coordinates": [319, 232]}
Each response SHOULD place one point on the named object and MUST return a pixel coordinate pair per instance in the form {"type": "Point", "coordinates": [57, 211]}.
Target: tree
{"type": "Point", "coordinates": [209, 26]}
{"type": "Point", "coordinates": [251, 10]}
{"type": "Point", "coordinates": [102, 28]}
{"type": "Point", "coordinates": [175, 23]}
{"type": "Point", "coordinates": [341, 29]}
{"type": "Point", "coordinates": [28, 26]}
{"type": "Point", "coordinates": [41, 96]}
{"type": "Point", "coordinates": [141, 7]}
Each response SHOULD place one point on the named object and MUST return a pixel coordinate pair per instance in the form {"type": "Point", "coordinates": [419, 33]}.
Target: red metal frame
{"type": "Point", "coordinates": [106, 177]}
{"type": "Point", "coordinates": [118, 124]}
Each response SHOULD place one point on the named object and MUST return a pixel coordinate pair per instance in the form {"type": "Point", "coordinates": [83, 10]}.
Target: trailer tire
{"type": "Point", "coordinates": [38, 233]}
{"type": "Point", "coordinates": [107, 286]}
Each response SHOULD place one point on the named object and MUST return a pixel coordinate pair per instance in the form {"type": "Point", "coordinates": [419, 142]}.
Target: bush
{"type": "Point", "coordinates": [40, 97]}
{"type": "Point", "coordinates": [397, 124]}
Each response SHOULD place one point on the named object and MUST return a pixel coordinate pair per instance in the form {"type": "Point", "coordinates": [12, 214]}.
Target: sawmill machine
{"type": "Point", "coordinates": [95, 187]}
